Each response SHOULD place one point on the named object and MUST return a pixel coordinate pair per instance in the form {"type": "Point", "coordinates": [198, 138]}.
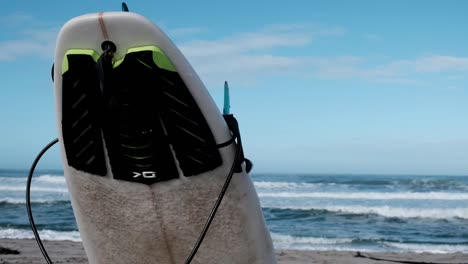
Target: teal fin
{"type": "Point", "coordinates": [227, 106]}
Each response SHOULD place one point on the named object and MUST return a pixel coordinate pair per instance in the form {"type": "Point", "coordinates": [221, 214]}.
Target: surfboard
{"type": "Point", "coordinates": [140, 141]}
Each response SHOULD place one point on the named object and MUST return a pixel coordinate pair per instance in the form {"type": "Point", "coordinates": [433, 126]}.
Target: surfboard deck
{"type": "Point", "coordinates": [135, 151]}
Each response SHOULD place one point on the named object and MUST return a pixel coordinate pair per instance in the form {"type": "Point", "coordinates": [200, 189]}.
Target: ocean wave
{"type": "Point", "coordinates": [370, 195]}
{"type": "Point", "coordinates": [409, 183]}
{"type": "Point", "coordinates": [23, 200]}
{"type": "Point", "coordinates": [387, 211]}
{"type": "Point", "coordinates": [314, 243]}
{"type": "Point", "coordinates": [44, 234]}
{"type": "Point", "coordinates": [50, 178]}
{"type": "Point", "coordinates": [280, 242]}
{"type": "Point", "coordinates": [278, 238]}
{"type": "Point", "coordinates": [33, 189]}
{"type": "Point", "coordinates": [289, 185]}
{"type": "Point", "coordinates": [427, 248]}
{"type": "Point", "coordinates": [434, 184]}
{"type": "Point", "coordinates": [370, 245]}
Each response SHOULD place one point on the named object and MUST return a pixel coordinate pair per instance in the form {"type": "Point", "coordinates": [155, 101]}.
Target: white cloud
{"type": "Point", "coordinates": [372, 37]}
{"type": "Point", "coordinates": [337, 67]}
{"type": "Point", "coordinates": [311, 29]}
{"type": "Point", "coordinates": [254, 41]}
{"type": "Point", "coordinates": [187, 31]}
{"type": "Point", "coordinates": [17, 19]}
{"type": "Point", "coordinates": [14, 49]}
{"type": "Point", "coordinates": [429, 64]}
{"type": "Point", "coordinates": [38, 40]}
{"type": "Point", "coordinates": [441, 63]}
{"type": "Point", "coordinates": [39, 46]}
{"type": "Point", "coordinates": [256, 54]}
{"type": "Point", "coordinates": [396, 71]}
{"type": "Point", "coordinates": [247, 56]}
{"type": "Point", "coordinates": [245, 69]}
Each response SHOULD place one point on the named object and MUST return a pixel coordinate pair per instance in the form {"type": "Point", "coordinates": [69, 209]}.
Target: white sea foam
{"type": "Point", "coordinates": [12, 200]}
{"type": "Point", "coordinates": [41, 178]}
{"type": "Point", "coordinates": [23, 200]}
{"type": "Point", "coordinates": [44, 234]}
{"type": "Point", "coordinates": [288, 185]}
{"type": "Point", "coordinates": [427, 248]}
{"type": "Point", "coordinates": [314, 243]}
{"type": "Point", "coordinates": [388, 211]}
{"type": "Point", "coordinates": [370, 195]}
{"type": "Point", "coordinates": [33, 189]}
{"type": "Point", "coordinates": [50, 179]}
{"type": "Point", "coordinates": [277, 238]}
{"type": "Point", "coordinates": [280, 242]}
{"type": "Point", "coordinates": [346, 244]}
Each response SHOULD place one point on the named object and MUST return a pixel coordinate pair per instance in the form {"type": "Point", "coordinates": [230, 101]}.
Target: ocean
{"type": "Point", "coordinates": [373, 213]}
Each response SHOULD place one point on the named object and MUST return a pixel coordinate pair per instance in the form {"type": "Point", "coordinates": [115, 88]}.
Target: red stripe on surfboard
{"type": "Point", "coordinates": [103, 26]}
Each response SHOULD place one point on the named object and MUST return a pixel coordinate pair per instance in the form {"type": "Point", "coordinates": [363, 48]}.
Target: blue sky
{"type": "Point", "coordinates": [317, 86]}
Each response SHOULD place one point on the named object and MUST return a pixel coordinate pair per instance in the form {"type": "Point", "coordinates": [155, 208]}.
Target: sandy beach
{"type": "Point", "coordinates": [72, 252]}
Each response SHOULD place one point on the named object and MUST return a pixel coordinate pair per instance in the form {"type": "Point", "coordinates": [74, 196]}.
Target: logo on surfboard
{"type": "Point", "coordinates": [145, 174]}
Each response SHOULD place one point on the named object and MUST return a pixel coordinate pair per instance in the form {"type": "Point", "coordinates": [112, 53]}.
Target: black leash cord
{"type": "Point", "coordinates": [218, 201]}
{"type": "Point", "coordinates": [28, 200]}
{"type": "Point", "coordinates": [360, 255]}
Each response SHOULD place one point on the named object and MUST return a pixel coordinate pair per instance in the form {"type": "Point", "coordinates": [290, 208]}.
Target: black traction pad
{"type": "Point", "coordinates": [81, 115]}
{"type": "Point", "coordinates": [147, 116]}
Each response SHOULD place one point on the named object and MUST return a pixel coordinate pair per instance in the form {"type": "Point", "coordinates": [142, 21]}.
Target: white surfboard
{"type": "Point", "coordinates": [139, 150]}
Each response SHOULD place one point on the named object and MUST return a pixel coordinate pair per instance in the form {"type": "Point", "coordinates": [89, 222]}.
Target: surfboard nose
{"type": "Point", "coordinates": [147, 113]}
